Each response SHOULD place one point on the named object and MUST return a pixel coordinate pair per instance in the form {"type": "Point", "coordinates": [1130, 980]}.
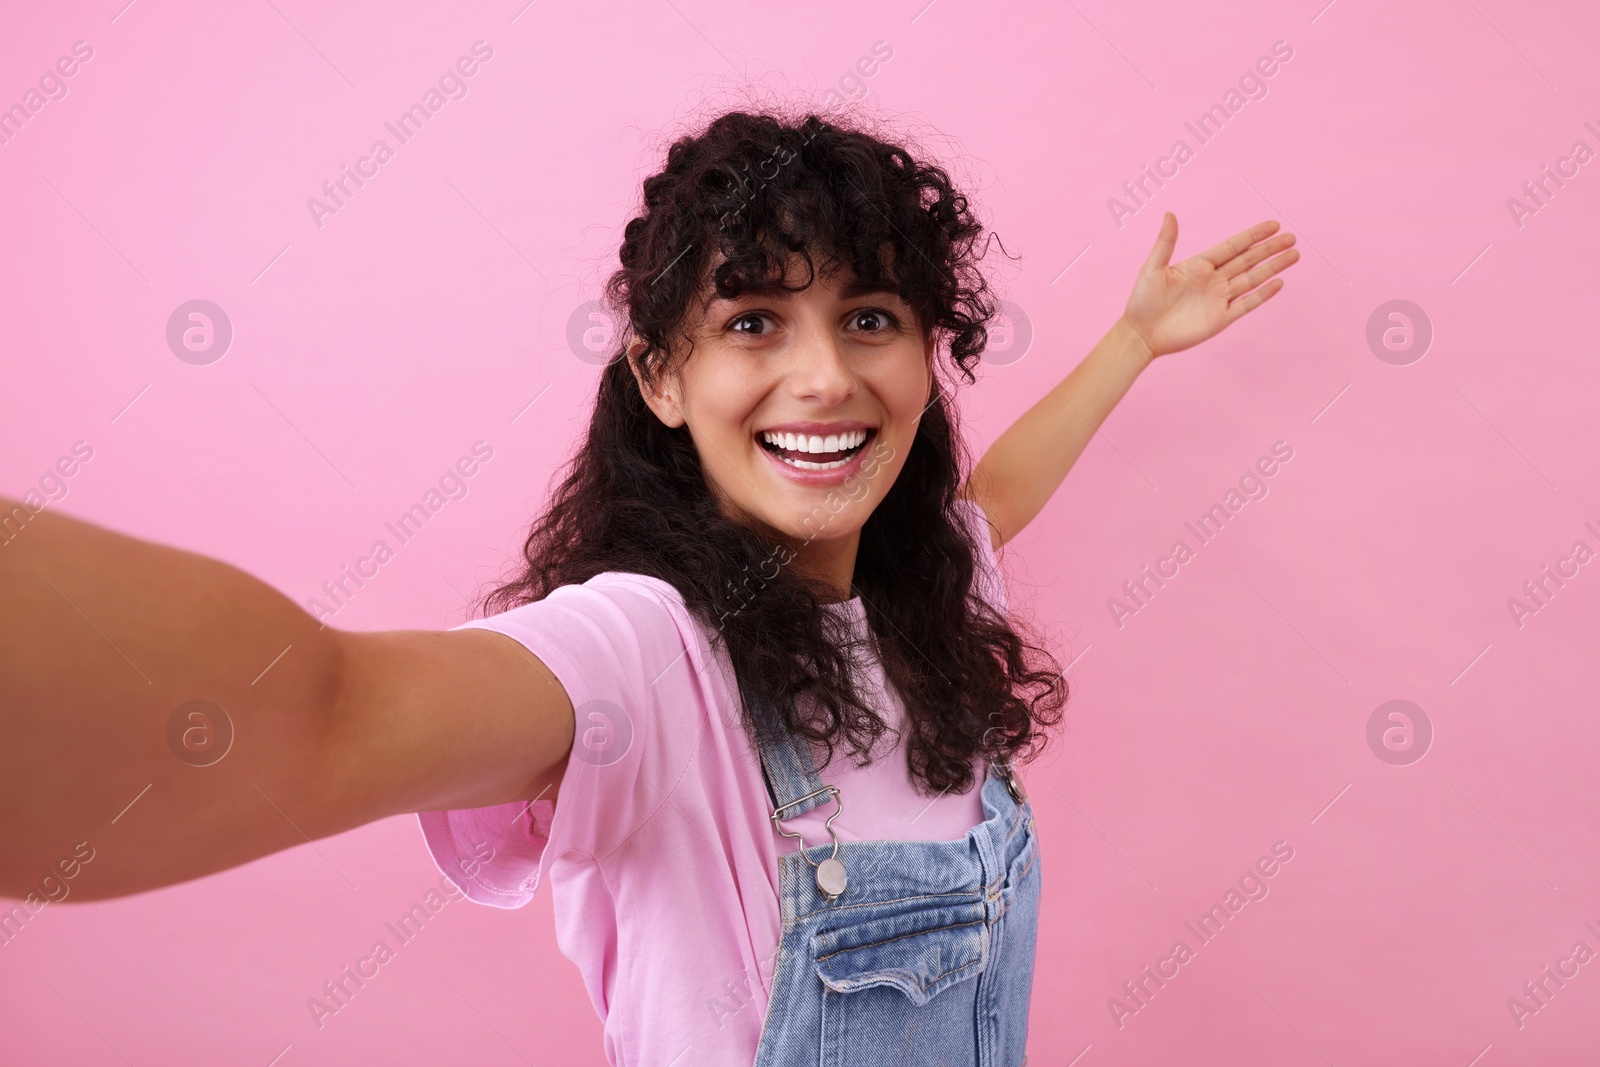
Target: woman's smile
{"type": "Point", "coordinates": [817, 453]}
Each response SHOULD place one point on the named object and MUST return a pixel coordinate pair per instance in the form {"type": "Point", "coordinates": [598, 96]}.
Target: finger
{"type": "Point", "coordinates": [1166, 241]}
{"type": "Point", "coordinates": [1245, 282]}
{"type": "Point", "coordinates": [1217, 255]}
{"type": "Point", "coordinates": [1252, 300]}
{"type": "Point", "coordinates": [1255, 254]}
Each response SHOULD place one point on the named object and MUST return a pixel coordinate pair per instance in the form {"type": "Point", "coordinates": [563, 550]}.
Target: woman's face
{"type": "Point", "coordinates": [803, 406]}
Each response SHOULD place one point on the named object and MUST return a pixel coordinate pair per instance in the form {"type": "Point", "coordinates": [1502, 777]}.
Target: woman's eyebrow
{"type": "Point", "coordinates": [867, 288]}
{"type": "Point", "coordinates": [775, 292]}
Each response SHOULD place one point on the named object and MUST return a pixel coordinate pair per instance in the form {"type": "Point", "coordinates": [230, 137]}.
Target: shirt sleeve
{"type": "Point", "coordinates": [605, 641]}
{"type": "Point", "coordinates": [989, 581]}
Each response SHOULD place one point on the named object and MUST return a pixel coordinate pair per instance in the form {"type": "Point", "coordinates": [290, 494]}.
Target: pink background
{"type": "Point", "coordinates": [1228, 714]}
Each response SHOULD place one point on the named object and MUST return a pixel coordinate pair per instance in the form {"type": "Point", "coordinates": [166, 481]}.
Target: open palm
{"type": "Point", "coordinates": [1175, 307]}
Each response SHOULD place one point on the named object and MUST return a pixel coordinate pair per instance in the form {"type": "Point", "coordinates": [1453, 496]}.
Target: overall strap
{"type": "Point", "coordinates": [791, 775]}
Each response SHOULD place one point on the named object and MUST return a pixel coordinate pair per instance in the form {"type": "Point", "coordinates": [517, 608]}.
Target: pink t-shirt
{"type": "Point", "coordinates": [661, 850]}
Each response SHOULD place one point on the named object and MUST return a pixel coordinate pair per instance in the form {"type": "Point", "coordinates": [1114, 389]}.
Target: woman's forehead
{"type": "Point", "coordinates": [831, 273]}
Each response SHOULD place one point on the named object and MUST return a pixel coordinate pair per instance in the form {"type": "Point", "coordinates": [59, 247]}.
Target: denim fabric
{"type": "Point", "coordinates": [925, 960]}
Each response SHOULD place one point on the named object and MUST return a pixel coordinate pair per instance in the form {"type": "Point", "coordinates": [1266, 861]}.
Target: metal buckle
{"type": "Point", "coordinates": [830, 873]}
{"type": "Point", "coordinates": [1013, 783]}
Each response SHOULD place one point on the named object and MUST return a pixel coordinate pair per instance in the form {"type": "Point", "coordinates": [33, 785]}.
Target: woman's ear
{"type": "Point", "coordinates": [663, 399]}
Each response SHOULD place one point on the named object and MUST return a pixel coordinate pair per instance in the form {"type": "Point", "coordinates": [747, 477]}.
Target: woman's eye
{"type": "Point", "coordinates": [876, 319]}
{"type": "Point", "coordinates": [755, 317]}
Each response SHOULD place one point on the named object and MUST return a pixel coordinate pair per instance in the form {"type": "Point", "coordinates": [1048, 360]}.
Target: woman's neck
{"type": "Point", "coordinates": [832, 561]}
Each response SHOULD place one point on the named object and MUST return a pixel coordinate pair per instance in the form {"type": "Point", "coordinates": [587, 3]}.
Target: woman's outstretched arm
{"type": "Point", "coordinates": [1171, 308]}
{"type": "Point", "coordinates": [104, 637]}
{"type": "Point", "coordinates": [1022, 469]}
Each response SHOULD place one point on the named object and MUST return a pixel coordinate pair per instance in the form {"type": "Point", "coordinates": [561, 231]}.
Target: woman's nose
{"type": "Point", "coordinates": [821, 369]}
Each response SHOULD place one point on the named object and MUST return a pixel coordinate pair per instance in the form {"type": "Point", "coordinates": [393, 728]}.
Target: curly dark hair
{"type": "Point", "coordinates": [759, 189]}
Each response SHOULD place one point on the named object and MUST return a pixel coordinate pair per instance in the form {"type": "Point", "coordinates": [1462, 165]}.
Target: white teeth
{"type": "Point", "coordinates": [805, 464]}
{"type": "Point", "coordinates": [815, 444]}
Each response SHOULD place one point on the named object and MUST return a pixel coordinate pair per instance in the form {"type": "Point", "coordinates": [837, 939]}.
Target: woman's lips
{"type": "Point", "coordinates": [817, 470]}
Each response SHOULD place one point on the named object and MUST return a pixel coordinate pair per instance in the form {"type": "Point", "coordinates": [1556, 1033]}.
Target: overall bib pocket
{"type": "Point", "coordinates": [899, 981]}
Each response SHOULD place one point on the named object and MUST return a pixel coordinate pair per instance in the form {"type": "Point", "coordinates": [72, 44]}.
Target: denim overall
{"type": "Point", "coordinates": [925, 959]}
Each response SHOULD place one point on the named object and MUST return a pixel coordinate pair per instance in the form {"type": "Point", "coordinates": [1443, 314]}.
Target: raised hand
{"type": "Point", "coordinates": [1176, 307]}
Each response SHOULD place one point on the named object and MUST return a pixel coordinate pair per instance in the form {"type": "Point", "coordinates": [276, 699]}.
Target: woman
{"type": "Point", "coordinates": [763, 553]}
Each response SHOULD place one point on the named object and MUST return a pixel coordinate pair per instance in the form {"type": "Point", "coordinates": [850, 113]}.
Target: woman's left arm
{"type": "Point", "coordinates": [1171, 308]}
